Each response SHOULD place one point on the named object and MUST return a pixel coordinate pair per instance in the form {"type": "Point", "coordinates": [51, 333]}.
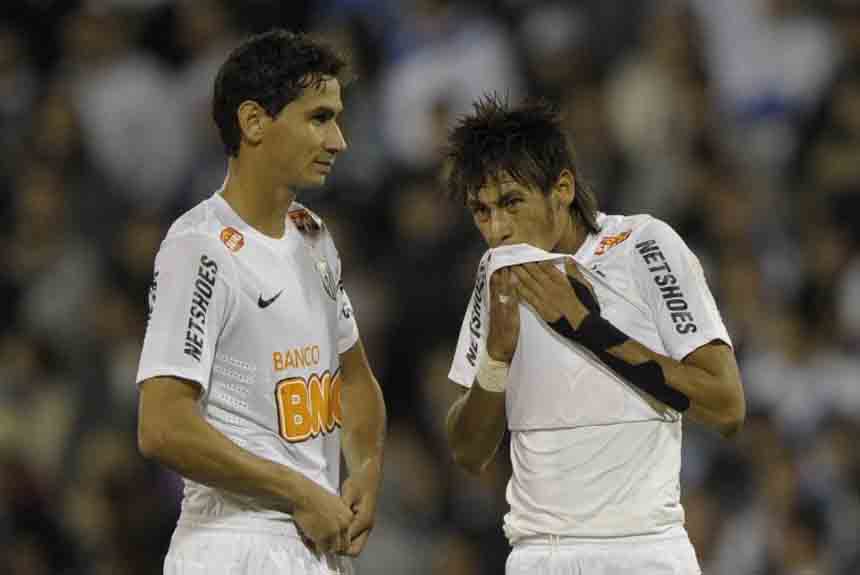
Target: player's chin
{"type": "Point", "coordinates": [312, 181]}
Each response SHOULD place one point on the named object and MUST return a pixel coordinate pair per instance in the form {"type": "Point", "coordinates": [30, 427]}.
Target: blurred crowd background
{"type": "Point", "coordinates": [737, 121]}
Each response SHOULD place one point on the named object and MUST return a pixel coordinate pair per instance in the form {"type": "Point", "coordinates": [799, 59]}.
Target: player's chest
{"type": "Point", "coordinates": [294, 285]}
{"type": "Point", "coordinates": [616, 289]}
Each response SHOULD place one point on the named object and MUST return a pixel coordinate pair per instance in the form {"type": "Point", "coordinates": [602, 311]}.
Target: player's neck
{"type": "Point", "coordinates": [259, 203]}
{"type": "Point", "coordinates": [572, 236]}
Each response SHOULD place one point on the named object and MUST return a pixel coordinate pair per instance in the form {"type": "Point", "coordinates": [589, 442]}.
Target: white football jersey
{"type": "Point", "coordinates": [259, 323]}
{"type": "Point", "coordinates": [593, 456]}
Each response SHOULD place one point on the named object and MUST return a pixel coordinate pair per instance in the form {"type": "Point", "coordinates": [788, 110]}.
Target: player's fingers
{"type": "Point", "coordinates": [357, 544]}
{"type": "Point", "coordinates": [543, 275]}
{"type": "Point", "coordinates": [343, 541]}
{"type": "Point", "coordinates": [551, 273]}
{"type": "Point", "coordinates": [349, 494]}
{"type": "Point", "coordinates": [525, 277]}
{"type": "Point", "coordinates": [323, 545]}
{"type": "Point", "coordinates": [504, 293]}
{"type": "Point", "coordinates": [544, 309]}
{"type": "Point", "coordinates": [498, 281]}
{"type": "Point", "coordinates": [572, 270]}
{"type": "Point", "coordinates": [362, 521]}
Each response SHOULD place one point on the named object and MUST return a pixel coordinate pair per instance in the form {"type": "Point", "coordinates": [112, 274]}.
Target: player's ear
{"type": "Point", "coordinates": [252, 121]}
{"type": "Point", "coordinates": [565, 188]}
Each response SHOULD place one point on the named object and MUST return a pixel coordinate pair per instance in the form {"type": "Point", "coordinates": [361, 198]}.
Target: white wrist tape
{"type": "Point", "coordinates": [492, 374]}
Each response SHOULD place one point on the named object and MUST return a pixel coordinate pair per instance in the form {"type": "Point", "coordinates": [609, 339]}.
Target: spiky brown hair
{"type": "Point", "coordinates": [526, 141]}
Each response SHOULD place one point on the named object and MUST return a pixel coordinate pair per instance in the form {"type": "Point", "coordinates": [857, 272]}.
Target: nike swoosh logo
{"type": "Point", "coordinates": [264, 303]}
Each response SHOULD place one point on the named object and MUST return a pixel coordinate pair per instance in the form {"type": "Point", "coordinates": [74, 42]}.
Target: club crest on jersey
{"type": "Point", "coordinates": [233, 239]}
{"type": "Point", "coordinates": [327, 278]}
{"type": "Point", "coordinates": [610, 242]}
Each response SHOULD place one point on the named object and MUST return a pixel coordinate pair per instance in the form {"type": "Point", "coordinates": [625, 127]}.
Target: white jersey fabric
{"type": "Point", "coordinates": [259, 324]}
{"type": "Point", "coordinates": [592, 456]}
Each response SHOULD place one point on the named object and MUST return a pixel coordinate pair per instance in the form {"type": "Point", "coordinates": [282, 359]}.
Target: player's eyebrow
{"type": "Point", "coordinates": [504, 197]}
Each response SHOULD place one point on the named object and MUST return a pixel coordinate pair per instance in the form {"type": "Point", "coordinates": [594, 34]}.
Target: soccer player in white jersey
{"type": "Point", "coordinates": [591, 369]}
{"type": "Point", "coordinates": [252, 372]}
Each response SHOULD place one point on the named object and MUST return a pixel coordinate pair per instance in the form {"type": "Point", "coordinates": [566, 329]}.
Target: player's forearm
{"type": "Point", "coordinates": [476, 425]}
{"type": "Point", "coordinates": [364, 423]}
{"type": "Point", "coordinates": [198, 451]}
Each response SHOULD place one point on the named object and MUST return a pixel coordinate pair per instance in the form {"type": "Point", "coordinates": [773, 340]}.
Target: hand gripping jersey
{"type": "Point", "coordinates": [592, 455]}
{"type": "Point", "coordinates": [259, 323]}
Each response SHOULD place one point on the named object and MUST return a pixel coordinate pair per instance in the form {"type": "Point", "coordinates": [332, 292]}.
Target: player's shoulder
{"type": "Point", "coordinates": [613, 231]}
{"type": "Point", "coordinates": [622, 236]}
{"type": "Point", "coordinates": [308, 222]}
{"type": "Point", "coordinates": [202, 227]}
{"type": "Point", "coordinates": [312, 227]}
{"type": "Point", "coordinates": [637, 227]}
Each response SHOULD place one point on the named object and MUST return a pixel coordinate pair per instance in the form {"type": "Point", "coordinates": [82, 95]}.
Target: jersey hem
{"type": "Point", "coordinates": [167, 371]}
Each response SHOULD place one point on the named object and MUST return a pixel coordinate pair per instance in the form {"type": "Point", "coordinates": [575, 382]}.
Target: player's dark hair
{"type": "Point", "coordinates": [526, 141]}
{"type": "Point", "coordinates": [271, 69]}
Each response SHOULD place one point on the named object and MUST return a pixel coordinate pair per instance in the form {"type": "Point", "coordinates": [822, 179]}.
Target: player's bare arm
{"type": "Point", "coordinates": [363, 438]}
{"type": "Point", "coordinates": [172, 431]}
{"type": "Point", "coordinates": [708, 377]}
{"type": "Point", "coordinates": [476, 421]}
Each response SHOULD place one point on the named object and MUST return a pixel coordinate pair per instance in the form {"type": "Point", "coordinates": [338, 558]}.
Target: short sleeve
{"type": "Point", "coordinates": [188, 303]}
{"type": "Point", "coordinates": [347, 327]}
{"type": "Point", "coordinates": [672, 284]}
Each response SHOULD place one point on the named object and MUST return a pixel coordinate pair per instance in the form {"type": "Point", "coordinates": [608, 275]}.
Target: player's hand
{"type": "Point", "coordinates": [551, 292]}
{"type": "Point", "coordinates": [504, 316]}
{"type": "Point", "coordinates": [359, 493]}
{"type": "Point", "coordinates": [323, 520]}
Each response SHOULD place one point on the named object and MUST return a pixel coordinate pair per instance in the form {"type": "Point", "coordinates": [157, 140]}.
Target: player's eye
{"type": "Point", "coordinates": [480, 211]}
{"type": "Point", "coordinates": [321, 117]}
{"type": "Point", "coordinates": [513, 202]}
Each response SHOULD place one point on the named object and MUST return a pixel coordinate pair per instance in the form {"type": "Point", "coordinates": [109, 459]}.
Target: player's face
{"type": "Point", "coordinates": [509, 212]}
{"type": "Point", "coordinates": [304, 139]}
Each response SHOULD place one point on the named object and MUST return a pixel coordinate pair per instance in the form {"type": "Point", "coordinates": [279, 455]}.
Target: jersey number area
{"type": "Point", "coordinates": [308, 407]}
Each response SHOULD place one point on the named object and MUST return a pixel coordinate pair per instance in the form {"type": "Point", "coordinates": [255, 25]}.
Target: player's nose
{"type": "Point", "coordinates": [335, 142]}
{"type": "Point", "coordinates": [498, 229]}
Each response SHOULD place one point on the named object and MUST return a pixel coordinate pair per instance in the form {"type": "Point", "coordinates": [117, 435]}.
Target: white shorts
{"type": "Point", "coordinates": [651, 555]}
{"type": "Point", "coordinates": [223, 551]}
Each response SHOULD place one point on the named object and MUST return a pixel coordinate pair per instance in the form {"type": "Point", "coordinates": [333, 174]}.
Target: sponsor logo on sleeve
{"type": "Point", "coordinates": [610, 242]}
{"type": "Point", "coordinates": [204, 287]}
{"type": "Point", "coordinates": [667, 283]}
{"type": "Point", "coordinates": [233, 239]}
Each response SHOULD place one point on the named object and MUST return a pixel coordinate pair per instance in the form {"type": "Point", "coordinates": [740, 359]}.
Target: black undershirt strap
{"type": "Point", "coordinates": [598, 335]}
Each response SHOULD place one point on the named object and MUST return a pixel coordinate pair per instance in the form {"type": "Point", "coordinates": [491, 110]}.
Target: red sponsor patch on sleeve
{"type": "Point", "coordinates": [610, 242]}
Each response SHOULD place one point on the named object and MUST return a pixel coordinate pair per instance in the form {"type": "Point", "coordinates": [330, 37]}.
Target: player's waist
{"type": "Point", "coordinates": [207, 507]}
{"type": "Point", "coordinates": [670, 533]}
{"type": "Point", "coordinates": [246, 522]}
